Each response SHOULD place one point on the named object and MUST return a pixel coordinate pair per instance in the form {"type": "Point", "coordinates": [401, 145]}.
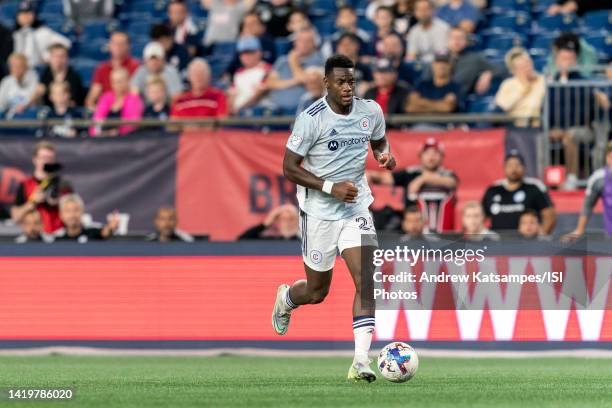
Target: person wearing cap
{"type": "Point", "coordinates": [392, 47]}
{"type": "Point", "coordinates": [247, 87]}
{"type": "Point", "coordinates": [439, 94]}
{"type": "Point", "coordinates": [522, 95]}
{"type": "Point", "coordinates": [31, 38]}
{"type": "Point", "coordinates": [429, 185]}
{"type": "Point", "coordinates": [387, 92]}
{"type": "Point", "coordinates": [506, 199]}
{"type": "Point", "coordinates": [572, 111]}
{"type": "Point", "coordinates": [154, 58]}
{"type": "Point", "coordinates": [119, 50]}
{"type": "Point", "coordinates": [598, 186]}
{"type": "Point", "coordinates": [471, 69]}
{"type": "Point", "coordinates": [428, 36]}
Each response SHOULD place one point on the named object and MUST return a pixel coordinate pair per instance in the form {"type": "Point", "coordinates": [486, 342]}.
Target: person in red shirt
{"type": "Point", "coordinates": [202, 100]}
{"type": "Point", "coordinates": [42, 190]}
{"type": "Point", "coordinates": [119, 49]}
{"type": "Point", "coordinates": [390, 94]}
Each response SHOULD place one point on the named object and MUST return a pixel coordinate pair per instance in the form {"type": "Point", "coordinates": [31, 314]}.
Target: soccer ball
{"type": "Point", "coordinates": [398, 362]}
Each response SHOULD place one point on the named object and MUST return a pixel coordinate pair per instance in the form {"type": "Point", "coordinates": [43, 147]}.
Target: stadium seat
{"type": "Point", "coordinates": [365, 24]}
{"type": "Point", "coordinates": [602, 42]}
{"type": "Point", "coordinates": [510, 5]}
{"type": "Point", "coordinates": [95, 50]}
{"type": "Point", "coordinates": [513, 22]}
{"type": "Point", "coordinates": [8, 10]}
{"type": "Point", "coordinates": [97, 29]}
{"type": "Point", "coordinates": [224, 49]}
{"type": "Point", "coordinates": [557, 23]}
{"type": "Point", "coordinates": [139, 28]}
{"type": "Point", "coordinates": [138, 45]}
{"type": "Point", "coordinates": [319, 8]}
{"type": "Point", "coordinates": [504, 42]}
{"type": "Point", "coordinates": [85, 68]}
{"type": "Point", "coordinates": [282, 46]}
{"type": "Point", "coordinates": [52, 8]}
{"type": "Point", "coordinates": [597, 20]}
{"type": "Point", "coordinates": [543, 41]}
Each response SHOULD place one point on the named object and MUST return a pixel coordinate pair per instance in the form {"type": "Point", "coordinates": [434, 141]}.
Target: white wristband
{"type": "Point", "coordinates": [327, 186]}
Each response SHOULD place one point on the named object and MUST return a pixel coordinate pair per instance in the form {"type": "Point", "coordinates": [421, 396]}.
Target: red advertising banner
{"type": "Point", "coordinates": [228, 180]}
{"type": "Point", "coordinates": [230, 298]}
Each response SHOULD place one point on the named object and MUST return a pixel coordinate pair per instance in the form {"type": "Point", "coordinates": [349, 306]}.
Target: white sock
{"type": "Point", "coordinates": [363, 328]}
{"type": "Point", "coordinates": [289, 305]}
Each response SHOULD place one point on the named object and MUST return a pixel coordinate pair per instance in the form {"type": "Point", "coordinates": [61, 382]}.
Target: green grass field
{"type": "Point", "coordinates": [309, 382]}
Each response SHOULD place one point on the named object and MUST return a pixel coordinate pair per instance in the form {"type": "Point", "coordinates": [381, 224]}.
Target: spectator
{"type": "Point", "coordinates": [507, 199]}
{"type": "Point", "coordinates": [471, 70]}
{"type": "Point", "coordinates": [286, 80]}
{"type": "Point", "coordinates": [346, 23]}
{"type": "Point", "coordinates": [577, 6]}
{"type": "Point", "coordinates": [586, 54]}
{"type": "Point", "coordinates": [429, 36]}
{"type": "Point", "coordinates": [252, 26]}
{"type": "Point", "coordinates": [248, 85]}
{"type": "Point", "coordinates": [176, 54]}
{"type": "Point", "coordinates": [461, 14]}
{"type": "Point", "coordinates": [383, 19]}
{"type": "Point", "coordinates": [349, 44]}
{"type": "Point", "coordinates": [31, 38]}
{"type": "Point", "coordinates": [81, 11]}
{"type": "Point", "coordinates": [403, 11]}
{"type": "Point", "coordinates": [118, 103]}
{"type": "Point", "coordinates": [413, 226]}
{"type": "Point", "coordinates": [119, 49]}
{"type": "Point", "coordinates": [58, 70]}
{"type": "Point", "coordinates": [472, 222]}
{"type": "Point", "coordinates": [32, 229]}
{"type": "Point", "coordinates": [522, 95]}
{"type": "Point", "coordinates": [392, 47]}
{"type": "Point", "coordinates": [298, 21]}
{"type": "Point", "coordinates": [72, 210]}
{"type": "Point", "coordinates": [275, 15]}
{"type": "Point", "coordinates": [598, 186]}
{"type": "Point", "coordinates": [202, 100]}
{"type": "Point", "coordinates": [17, 90]}
{"type": "Point", "coordinates": [157, 99]}
{"type": "Point", "coordinates": [6, 49]}
{"type": "Point", "coordinates": [438, 95]}
{"type": "Point", "coordinates": [42, 190]}
{"type": "Point", "coordinates": [59, 92]}
{"type": "Point", "coordinates": [429, 185]}
{"type": "Point", "coordinates": [390, 95]}
{"type": "Point", "coordinates": [185, 31]}
{"type": "Point", "coordinates": [315, 88]}
{"type": "Point", "coordinates": [155, 64]}
{"type": "Point", "coordinates": [529, 225]}
{"type": "Point", "coordinates": [224, 17]}
{"type": "Point", "coordinates": [280, 224]}
{"type": "Point", "coordinates": [571, 111]}
{"type": "Point", "coordinates": [165, 227]}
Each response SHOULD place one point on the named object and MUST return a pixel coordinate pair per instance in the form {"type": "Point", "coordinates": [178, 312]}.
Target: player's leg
{"type": "Point", "coordinates": [319, 238]}
{"type": "Point", "coordinates": [357, 244]}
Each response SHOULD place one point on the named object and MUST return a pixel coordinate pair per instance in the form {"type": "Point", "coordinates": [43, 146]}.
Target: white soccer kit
{"type": "Point", "coordinates": [335, 148]}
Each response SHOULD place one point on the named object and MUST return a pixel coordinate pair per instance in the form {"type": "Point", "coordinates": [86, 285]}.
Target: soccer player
{"type": "Point", "coordinates": [325, 157]}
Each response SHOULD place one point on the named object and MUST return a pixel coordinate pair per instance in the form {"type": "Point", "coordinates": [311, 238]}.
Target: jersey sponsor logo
{"type": "Point", "coordinates": [334, 145]}
{"type": "Point", "coordinates": [364, 123]}
{"type": "Point", "coordinates": [316, 256]}
{"type": "Point", "coordinates": [497, 208]}
{"type": "Point", "coordinates": [296, 140]}
{"type": "Point", "coordinates": [519, 196]}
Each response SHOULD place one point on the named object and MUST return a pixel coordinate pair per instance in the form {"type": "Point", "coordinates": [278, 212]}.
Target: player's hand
{"type": "Point", "coordinates": [345, 191]}
{"type": "Point", "coordinates": [572, 236]}
{"type": "Point", "coordinates": [386, 161]}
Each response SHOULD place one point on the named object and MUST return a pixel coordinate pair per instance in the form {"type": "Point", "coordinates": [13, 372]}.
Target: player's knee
{"type": "Point", "coordinates": [318, 295]}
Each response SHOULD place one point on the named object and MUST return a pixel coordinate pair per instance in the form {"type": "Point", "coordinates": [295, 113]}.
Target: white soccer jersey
{"type": "Point", "coordinates": [335, 148]}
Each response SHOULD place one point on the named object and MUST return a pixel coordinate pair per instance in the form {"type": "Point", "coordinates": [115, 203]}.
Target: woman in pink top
{"type": "Point", "coordinates": [119, 103]}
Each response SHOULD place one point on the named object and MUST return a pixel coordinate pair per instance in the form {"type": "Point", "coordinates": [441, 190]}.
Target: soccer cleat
{"type": "Point", "coordinates": [361, 371]}
{"type": "Point", "coordinates": [281, 314]}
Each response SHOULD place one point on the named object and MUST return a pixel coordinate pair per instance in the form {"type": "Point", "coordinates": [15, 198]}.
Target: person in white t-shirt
{"type": "Point", "coordinates": [247, 87]}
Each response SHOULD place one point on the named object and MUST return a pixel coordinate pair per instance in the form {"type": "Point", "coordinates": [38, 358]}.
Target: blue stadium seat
{"type": "Point", "coordinates": [325, 24]}
{"type": "Point", "coordinates": [218, 65]}
{"type": "Point", "coordinates": [138, 45]}
{"type": "Point", "coordinates": [282, 46]}
{"type": "Point", "coordinates": [139, 28]}
{"type": "Point", "coordinates": [566, 22]}
{"type": "Point", "coordinates": [224, 49]}
{"type": "Point", "coordinates": [94, 49]}
{"type": "Point", "coordinates": [51, 7]}
{"type": "Point", "coordinates": [97, 29]}
{"type": "Point", "coordinates": [602, 42]}
{"type": "Point", "coordinates": [504, 42]}
{"type": "Point", "coordinates": [8, 10]}
{"type": "Point", "coordinates": [365, 24]}
{"type": "Point", "coordinates": [85, 68]}
{"type": "Point", "coordinates": [598, 20]}
{"type": "Point", "coordinates": [28, 114]}
{"type": "Point", "coordinates": [510, 22]}
{"type": "Point", "coordinates": [543, 41]}
{"type": "Point", "coordinates": [510, 5]}
{"type": "Point", "coordinates": [319, 8]}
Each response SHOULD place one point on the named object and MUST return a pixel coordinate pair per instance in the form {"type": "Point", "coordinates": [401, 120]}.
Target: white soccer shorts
{"type": "Point", "coordinates": [322, 240]}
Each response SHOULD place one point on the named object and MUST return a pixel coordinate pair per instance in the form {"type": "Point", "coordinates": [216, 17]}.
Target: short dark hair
{"type": "Point", "coordinates": [337, 61]}
{"type": "Point", "coordinates": [385, 8]}
{"type": "Point", "coordinates": [530, 211]}
{"type": "Point", "coordinates": [567, 41]}
{"type": "Point", "coordinates": [346, 7]}
{"type": "Point", "coordinates": [159, 31]}
{"type": "Point", "coordinates": [413, 209]}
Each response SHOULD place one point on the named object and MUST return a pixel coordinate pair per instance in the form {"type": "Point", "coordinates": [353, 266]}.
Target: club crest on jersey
{"type": "Point", "coordinates": [364, 123]}
{"type": "Point", "coordinates": [316, 256]}
{"type": "Point", "coordinates": [296, 140]}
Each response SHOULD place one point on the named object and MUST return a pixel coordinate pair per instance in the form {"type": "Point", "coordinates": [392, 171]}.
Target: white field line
{"type": "Point", "coordinates": [96, 351]}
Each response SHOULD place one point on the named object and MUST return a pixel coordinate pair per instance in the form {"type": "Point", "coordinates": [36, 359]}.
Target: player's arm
{"type": "Point", "coordinates": [382, 153]}
{"type": "Point", "coordinates": [549, 220]}
{"type": "Point", "coordinates": [593, 192]}
{"type": "Point", "coordinates": [293, 171]}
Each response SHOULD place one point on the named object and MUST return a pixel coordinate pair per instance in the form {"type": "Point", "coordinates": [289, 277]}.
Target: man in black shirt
{"type": "Point", "coordinates": [429, 185]}
{"type": "Point", "coordinates": [165, 227]}
{"type": "Point", "coordinates": [32, 229]}
{"type": "Point", "coordinates": [507, 199]}
{"type": "Point", "coordinates": [58, 70]}
{"type": "Point", "coordinates": [71, 212]}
